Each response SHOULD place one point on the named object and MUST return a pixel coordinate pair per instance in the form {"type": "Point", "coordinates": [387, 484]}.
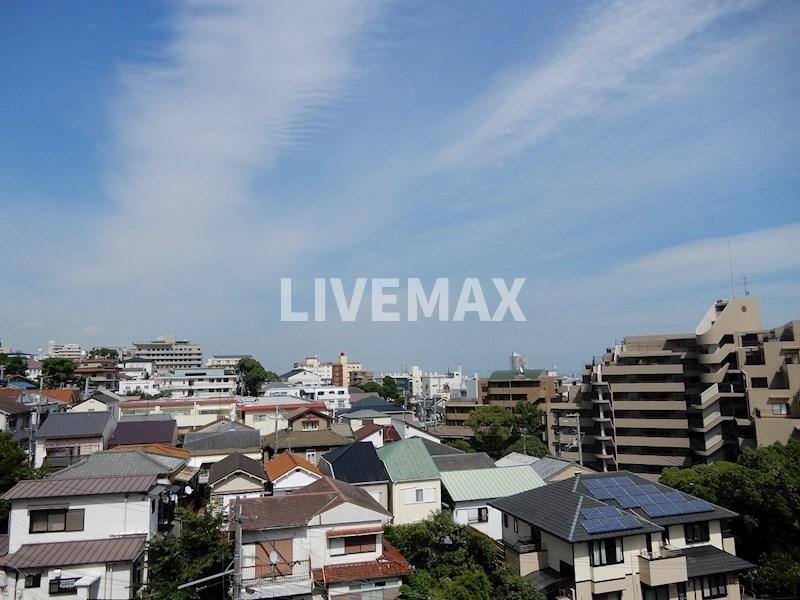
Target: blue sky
{"type": "Point", "coordinates": [163, 165]}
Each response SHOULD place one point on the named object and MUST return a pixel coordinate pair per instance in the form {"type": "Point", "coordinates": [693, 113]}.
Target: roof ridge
{"type": "Point", "coordinates": [575, 518]}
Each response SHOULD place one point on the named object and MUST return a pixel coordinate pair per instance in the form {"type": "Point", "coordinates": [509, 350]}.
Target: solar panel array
{"type": "Point", "coordinates": [647, 496]}
{"type": "Point", "coordinates": [605, 519]}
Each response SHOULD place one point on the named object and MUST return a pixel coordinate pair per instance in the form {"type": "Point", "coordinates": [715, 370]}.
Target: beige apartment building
{"type": "Point", "coordinates": [660, 401]}
{"type": "Point", "coordinates": [508, 388]}
{"type": "Point", "coordinates": [167, 353]}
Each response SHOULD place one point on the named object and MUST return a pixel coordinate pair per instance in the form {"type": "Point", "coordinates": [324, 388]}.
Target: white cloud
{"type": "Point", "coordinates": [606, 63]}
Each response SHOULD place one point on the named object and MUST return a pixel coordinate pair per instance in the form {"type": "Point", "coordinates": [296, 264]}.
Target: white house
{"type": "Point", "coordinates": [302, 377]}
{"type": "Point", "coordinates": [82, 537]}
{"type": "Point", "coordinates": [138, 387]}
{"type": "Point", "coordinates": [236, 476]}
{"type": "Point", "coordinates": [323, 541]}
{"type": "Point", "coordinates": [189, 413]}
{"type": "Point", "coordinates": [416, 490]}
{"type": "Point", "coordinates": [288, 471]}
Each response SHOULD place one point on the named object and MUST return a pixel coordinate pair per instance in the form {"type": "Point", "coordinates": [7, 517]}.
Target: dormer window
{"type": "Point", "coordinates": [310, 425]}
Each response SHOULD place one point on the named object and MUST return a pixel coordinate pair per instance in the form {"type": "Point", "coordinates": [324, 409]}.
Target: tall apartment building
{"type": "Point", "coordinates": [342, 370]}
{"type": "Point", "coordinates": [680, 399]}
{"type": "Point", "coordinates": [507, 388]}
{"type": "Point", "coordinates": [167, 352]}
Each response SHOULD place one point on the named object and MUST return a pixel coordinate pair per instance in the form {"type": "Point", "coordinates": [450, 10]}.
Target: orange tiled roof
{"type": "Point", "coordinates": [162, 449]}
{"type": "Point", "coordinates": [390, 564]}
{"type": "Point", "coordinates": [288, 461]}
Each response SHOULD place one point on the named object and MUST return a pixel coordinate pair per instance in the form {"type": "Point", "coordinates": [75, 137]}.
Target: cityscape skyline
{"type": "Point", "coordinates": [164, 166]}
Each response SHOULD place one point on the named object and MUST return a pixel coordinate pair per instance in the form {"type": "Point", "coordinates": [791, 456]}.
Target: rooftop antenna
{"type": "Point", "coordinates": [745, 285]}
{"type": "Point", "coordinates": [730, 263]}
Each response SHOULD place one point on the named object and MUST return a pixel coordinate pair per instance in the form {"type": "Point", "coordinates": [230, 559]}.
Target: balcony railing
{"type": "Point", "coordinates": [282, 576]}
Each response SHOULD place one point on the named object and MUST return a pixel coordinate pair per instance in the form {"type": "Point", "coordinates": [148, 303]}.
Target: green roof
{"type": "Point", "coordinates": [486, 484]}
{"type": "Point", "coordinates": [527, 374]}
{"type": "Point", "coordinates": [408, 460]}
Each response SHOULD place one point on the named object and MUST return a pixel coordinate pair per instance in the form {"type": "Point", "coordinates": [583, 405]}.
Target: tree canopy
{"type": "Point", "coordinates": [58, 372]}
{"type": "Point", "coordinates": [14, 365]}
{"type": "Point", "coordinates": [104, 352]}
{"type": "Point", "coordinates": [253, 376]}
{"type": "Point", "coordinates": [14, 467]}
{"type": "Point", "coordinates": [198, 551]}
{"type": "Point", "coordinates": [455, 562]}
{"type": "Point", "coordinates": [763, 486]}
{"type": "Point", "coordinates": [499, 430]}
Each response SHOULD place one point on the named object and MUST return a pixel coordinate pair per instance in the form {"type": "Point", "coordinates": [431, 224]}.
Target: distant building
{"type": "Point", "coordinates": [168, 352]}
{"type": "Point", "coordinates": [518, 362]}
{"type": "Point", "coordinates": [70, 351]}
{"type": "Point", "coordinates": [228, 362]}
{"type": "Point", "coordinates": [197, 383]}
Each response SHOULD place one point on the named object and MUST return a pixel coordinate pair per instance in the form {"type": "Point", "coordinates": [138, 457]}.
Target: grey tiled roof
{"type": "Point", "coordinates": [224, 435]}
{"type": "Point", "coordinates": [130, 463]}
{"type": "Point", "coordinates": [547, 466]}
{"type": "Point", "coordinates": [437, 449]}
{"type": "Point", "coordinates": [356, 463]}
{"type": "Point", "coordinates": [144, 432]}
{"type": "Point", "coordinates": [708, 560]}
{"type": "Point", "coordinates": [463, 462]}
{"type": "Point", "coordinates": [52, 487]}
{"type": "Point", "coordinates": [294, 440]}
{"type": "Point", "coordinates": [233, 463]}
{"type": "Point", "coordinates": [74, 424]}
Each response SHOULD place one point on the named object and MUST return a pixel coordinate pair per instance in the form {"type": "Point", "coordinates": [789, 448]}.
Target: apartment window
{"type": "Point", "coordinates": [681, 591]}
{"type": "Point", "coordinates": [310, 425]}
{"type": "Point", "coordinates": [606, 552]}
{"type": "Point", "coordinates": [660, 592]}
{"type": "Point", "coordinates": [696, 532]}
{"type": "Point", "coordinates": [780, 408]}
{"type": "Point", "coordinates": [45, 521]}
{"type": "Point", "coordinates": [714, 586]}
{"type": "Point", "coordinates": [758, 382]}
{"type": "Point", "coordinates": [33, 580]}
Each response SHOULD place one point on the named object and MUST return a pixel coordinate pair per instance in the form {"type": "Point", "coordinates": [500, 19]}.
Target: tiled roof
{"type": "Point", "coordinates": [708, 560]}
{"type": "Point", "coordinates": [144, 432]}
{"type": "Point", "coordinates": [10, 405]}
{"type": "Point", "coordinates": [74, 424]}
{"type": "Point", "coordinates": [162, 449]}
{"type": "Point", "coordinates": [297, 509]}
{"type": "Point", "coordinates": [111, 463]}
{"type": "Point", "coordinates": [87, 552]}
{"type": "Point", "coordinates": [437, 449]}
{"type": "Point", "coordinates": [52, 487]}
{"type": "Point", "coordinates": [356, 463]}
{"type": "Point", "coordinates": [322, 438]}
{"type": "Point", "coordinates": [299, 412]}
{"type": "Point", "coordinates": [389, 564]}
{"type": "Point", "coordinates": [463, 462]}
{"type": "Point", "coordinates": [288, 461]}
{"type": "Point", "coordinates": [549, 466]}
{"type": "Point", "coordinates": [514, 459]}
{"type": "Point", "coordinates": [408, 460]}
{"type": "Point", "coordinates": [222, 435]}
{"type": "Point", "coordinates": [389, 432]}
{"type": "Point", "coordinates": [484, 484]}
{"type": "Point", "coordinates": [233, 463]}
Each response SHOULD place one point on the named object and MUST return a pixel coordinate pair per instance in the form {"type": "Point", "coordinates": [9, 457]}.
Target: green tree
{"type": "Point", "coordinates": [390, 388]}
{"type": "Point", "coordinates": [462, 445]}
{"type": "Point", "coordinates": [14, 365]}
{"type": "Point", "coordinates": [198, 551]}
{"type": "Point", "coordinates": [272, 376]}
{"type": "Point", "coordinates": [531, 445]}
{"type": "Point", "coordinates": [104, 352]}
{"type": "Point", "coordinates": [58, 372]}
{"type": "Point", "coordinates": [527, 418]}
{"type": "Point", "coordinates": [493, 427]}
{"type": "Point", "coordinates": [251, 375]}
{"type": "Point", "coordinates": [373, 387]}
{"type": "Point", "coordinates": [14, 467]}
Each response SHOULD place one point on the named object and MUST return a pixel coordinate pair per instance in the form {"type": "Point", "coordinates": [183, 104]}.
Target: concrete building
{"type": "Point", "coordinates": [313, 365]}
{"type": "Point", "coordinates": [70, 351]}
{"type": "Point", "coordinates": [168, 352]}
{"type": "Point", "coordinates": [517, 362]}
{"type": "Point", "coordinates": [342, 369]}
{"type": "Point", "coordinates": [197, 383]}
{"type": "Point", "coordinates": [228, 362]}
{"type": "Point", "coordinates": [679, 399]}
{"type": "Point", "coordinates": [508, 388]}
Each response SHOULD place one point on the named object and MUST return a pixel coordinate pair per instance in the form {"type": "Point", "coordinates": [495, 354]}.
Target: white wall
{"type": "Point", "coordinates": [493, 527]}
{"type": "Point", "coordinates": [113, 584]}
{"type": "Point", "coordinates": [293, 480]}
{"type": "Point", "coordinates": [411, 512]}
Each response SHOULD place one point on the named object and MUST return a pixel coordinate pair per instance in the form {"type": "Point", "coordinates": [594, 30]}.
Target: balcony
{"type": "Point", "coordinates": [662, 567]}
{"type": "Point", "coordinates": [282, 580]}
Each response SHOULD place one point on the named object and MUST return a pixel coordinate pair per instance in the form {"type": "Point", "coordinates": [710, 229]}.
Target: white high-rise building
{"type": "Point", "coordinates": [70, 351]}
{"type": "Point", "coordinates": [167, 352]}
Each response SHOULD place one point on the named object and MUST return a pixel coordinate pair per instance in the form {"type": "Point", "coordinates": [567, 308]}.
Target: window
{"type": "Point", "coordinates": [356, 544]}
{"type": "Point", "coordinates": [477, 515]}
{"type": "Point", "coordinates": [311, 456]}
{"type": "Point", "coordinates": [606, 552]}
{"type": "Point", "coordinates": [660, 592]}
{"type": "Point", "coordinates": [714, 586]}
{"type": "Point", "coordinates": [516, 526]}
{"type": "Point", "coordinates": [419, 495]}
{"type": "Point", "coordinates": [759, 382]}
{"type": "Point", "coordinates": [310, 425]}
{"type": "Point", "coordinates": [780, 408]}
{"type": "Point", "coordinates": [696, 532]}
{"type": "Point", "coordinates": [681, 591]}
{"type": "Point", "coordinates": [63, 586]}
{"type": "Point", "coordinates": [505, 521]}
{"type": "Point", "coordinates": [44, 521]}
{"type": "Point", "coordinates": [33, 580]}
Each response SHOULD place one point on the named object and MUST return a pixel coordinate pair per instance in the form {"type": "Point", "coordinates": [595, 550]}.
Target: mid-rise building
{"type": "Point", "coordinates": [680, 399]}
{"type": "Point", "coordinates": [229, 362]}
{"type": "Point", "coordinates": [168, 352]}
{"type": "Point", "coordinates": [70, 351]}
{"type": "Point", "coordinates": [198, 383]}
{"type": "Point", "coordinates": [508, 388]}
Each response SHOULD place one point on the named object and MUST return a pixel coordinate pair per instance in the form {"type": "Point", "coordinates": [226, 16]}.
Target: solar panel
{"type": "Point", "coordinates": [619, 522]}
{"type": "Point", "coordinates": [597, 512]}
{"type": "Point", "coordinates": [629, 494]}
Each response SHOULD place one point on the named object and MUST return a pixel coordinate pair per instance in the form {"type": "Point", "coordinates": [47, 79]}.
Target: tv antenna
{"type": "Point", "coordinates": [745, 285]}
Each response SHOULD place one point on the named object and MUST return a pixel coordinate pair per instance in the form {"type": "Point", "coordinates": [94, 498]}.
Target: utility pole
{"type": "Point", "coordinates": [237, 554]}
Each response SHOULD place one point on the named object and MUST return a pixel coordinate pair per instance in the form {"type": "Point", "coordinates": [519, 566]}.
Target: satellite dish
{"type": "Point", "coordinates": [273, 557]}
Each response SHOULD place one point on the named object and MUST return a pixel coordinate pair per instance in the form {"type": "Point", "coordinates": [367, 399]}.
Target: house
{"type": "Point", "coordinates": [416, 490]}
{"type": "Point", "coordinates": [377, 434]}
{"type": "Point", "coordinates": [236, 476]}
{"type": "Point", "coordinates": [216, 441]}
{"type": "Point", "coordinates": [133, 431]}
{"type": "Point", "coordinates": [100, 400]}
{"type": "Point", "coordinates": [301, 377]}
{"type": "Point", "coordinates": [14, 416]}
{"type": "Point", "coordinates": [551, 468]}
{"type": "Point", "coordinates": [288, 471]}
{"type": "Point", "coordinates": [325, 540]}
{"type": "Point", "coordinates": [358, 418]}
{"type": "Point", "coordinates": [468, 492]}
{"type": "Point", "coordinates": [83, 537]}
{"type": "Point", "coordinates": [268, 414]}
{"type": "Point", "coordinates": [309, 433]}
{"type": "Point", "coordinates": [65, 438]}
{"type": "Point", "coordinates": [467, 461]}
{"type": "Point", "coordinates": [358, 464]}
{"type": "Point", "coordinates": [189, 413]}
{"type": "Point", "coordinates": [622, 536]}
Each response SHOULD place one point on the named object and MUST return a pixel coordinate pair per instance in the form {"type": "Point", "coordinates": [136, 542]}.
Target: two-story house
{"type": "Point", "coordinates": [416, 488]}
{"type": "Point", "coordinates": [216, 441]}
{"type": "Point", "coordinates": [309, 433]}
{"type": "Point", "coordinates": [288, 471]}
{"type": "Point", "coordinates": [65, 438]}
{"type": "Point", "coordinates": [236, 476]}
{"type": "Point", "coordinates": [322, 541]}
{"type": "Point", "coordinates": [358, 464]}
{"type": "Point", "coordinates": [83, 537]}
{"type": "Point", "coordinates": [620, 536]}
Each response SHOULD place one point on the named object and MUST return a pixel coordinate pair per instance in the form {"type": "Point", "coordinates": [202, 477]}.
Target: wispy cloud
{"type": "Point", "coordinates": [602, 65]}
